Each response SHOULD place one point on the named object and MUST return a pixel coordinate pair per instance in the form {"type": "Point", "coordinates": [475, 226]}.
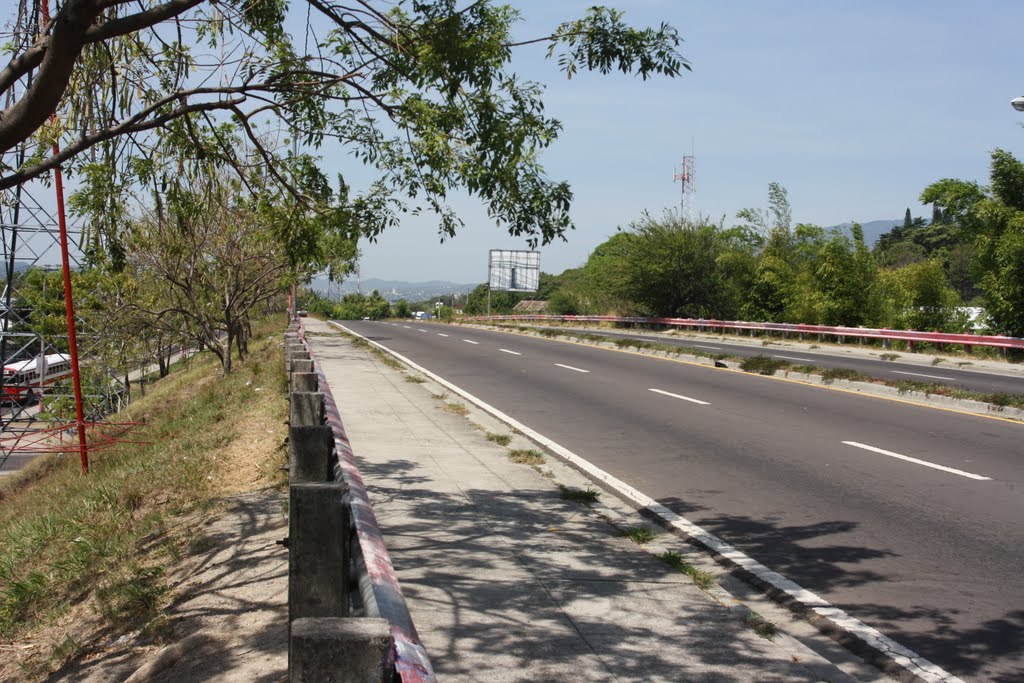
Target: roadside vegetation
{"type": "Point", "coordinates": [84, 559]}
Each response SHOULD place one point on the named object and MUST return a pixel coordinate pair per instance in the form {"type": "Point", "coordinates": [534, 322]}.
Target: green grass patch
{"type": "Point", "coordinates": [587, 496]}
{"type": "Point", "coordinates": [526, 456]}
{"type": "Point", "coordinates": [639, 534]}
{"type": "Point", "coordinates": [889, 356]}
{"type": "Point", "coordinates": [414, 379]}
{"type": "Point", "coordinates": [763, 365]}
{"type": "Point", "coordinates": [500, 439]}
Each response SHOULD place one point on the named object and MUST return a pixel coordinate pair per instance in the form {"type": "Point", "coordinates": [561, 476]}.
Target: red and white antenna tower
{"type": "Point", "coordinates": [686, 176]}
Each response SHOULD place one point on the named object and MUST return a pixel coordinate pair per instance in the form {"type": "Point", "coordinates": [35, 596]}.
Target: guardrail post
{"type": "Point", "coordinates": [304, 381]}
{"type": "Point", "coordinates": [318, 578]}
{"type": "Point", "coordinates": [309, 453]}
{"type": "Point", "coordinates": [305, 409]}
{"type": "Point", "coordinates": [338, 650]}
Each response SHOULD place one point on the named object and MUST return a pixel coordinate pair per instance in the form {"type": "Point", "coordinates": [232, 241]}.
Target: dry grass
{"type": "Point", "coordinates": [84, 559]}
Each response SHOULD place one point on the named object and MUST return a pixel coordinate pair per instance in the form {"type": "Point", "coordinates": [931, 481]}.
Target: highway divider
{"type": "Point", "coordinates": [347, 618]}
{"type": "Point", "coordinates": [887, 336]}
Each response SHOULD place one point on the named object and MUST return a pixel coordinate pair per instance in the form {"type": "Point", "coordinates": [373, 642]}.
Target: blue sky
{"type": "Point", "coordinates": [853, 106]}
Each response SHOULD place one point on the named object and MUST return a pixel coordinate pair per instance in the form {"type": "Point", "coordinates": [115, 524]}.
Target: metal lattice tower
{"type": "Point", "coordinates": [29, 230]}
{"type": "Point", "coordinates": [686, 177]}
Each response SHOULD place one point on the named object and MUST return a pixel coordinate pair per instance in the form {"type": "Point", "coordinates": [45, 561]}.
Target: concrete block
{"type": "Point", "coordinates": [338, 650]}
{"type": "Point", "coordinates": [304, 381]}
{"type": "Point", "coordinates": [305, 409]}
{"type": "Point", "coordinates": [300, 365]}
{"type": "Point", "coordinates": [318, 528]}
{"type": "Point", "coordinates": [309, 453]}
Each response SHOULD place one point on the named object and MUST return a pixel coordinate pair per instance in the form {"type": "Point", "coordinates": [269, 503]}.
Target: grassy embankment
{"type": "Point", "coordinates": [84, 559]}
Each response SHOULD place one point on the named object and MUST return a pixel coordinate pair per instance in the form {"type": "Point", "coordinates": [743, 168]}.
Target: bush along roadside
{"type": "Point", "coordinates": [85, 558]}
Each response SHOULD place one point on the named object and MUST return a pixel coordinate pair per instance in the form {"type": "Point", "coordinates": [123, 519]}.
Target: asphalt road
{"type": "Point", "coordinates": [828, 358]}
{"type": "Point", "coordinates": [812, 482]}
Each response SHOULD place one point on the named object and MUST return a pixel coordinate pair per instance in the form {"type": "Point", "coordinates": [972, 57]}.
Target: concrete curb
{"type": "Point", "coordinates": [878, 649]}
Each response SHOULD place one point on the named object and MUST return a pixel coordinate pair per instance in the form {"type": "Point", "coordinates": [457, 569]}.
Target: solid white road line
{"type": "Point", "coordinates": [514, 353]}
{"type": "Point", "coordinates": [701, 346]}
{"type": "Point", "coordinates": [680, 397]}
{"type": "Point", "coordinates": [886, 646]}
{"type": "Point", "coordinates": [441, 334]}
{"type": "Point", "coordinates": [470, 341]}
{"type": "Point", "coordinates": [918, 374]}
{"type": "Point", "coordinates": [802, 360]}
{"type": "Point", "coordinates": [951, 470]}
{"type": "Point", "coordinates": [569, 367]}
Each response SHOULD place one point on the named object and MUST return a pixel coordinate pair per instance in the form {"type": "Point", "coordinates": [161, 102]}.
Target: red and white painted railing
{"type": "Point", "coordinates": [910, 336]}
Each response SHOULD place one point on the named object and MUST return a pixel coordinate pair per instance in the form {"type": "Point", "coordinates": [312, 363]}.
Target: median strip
{"type": "Point", "coordinates": [951, 470]}
{"type": "Point", "coordinates": [680, 397]}
{"type": "Point", "coordinates": [569, 367]}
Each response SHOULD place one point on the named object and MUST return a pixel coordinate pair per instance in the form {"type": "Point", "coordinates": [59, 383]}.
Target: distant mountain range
{"type": "Point", "coordinates": [392, 290]}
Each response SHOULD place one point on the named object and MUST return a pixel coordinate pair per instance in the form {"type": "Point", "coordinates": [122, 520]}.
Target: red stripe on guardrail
{"type": "Point", "coordinates": [995, 341]}
{"type": "Point", "coordinates": [410, 657]}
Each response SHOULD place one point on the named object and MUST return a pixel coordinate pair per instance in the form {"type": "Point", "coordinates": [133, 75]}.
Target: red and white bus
{"type": "Point", "coordinates": [24, 380]}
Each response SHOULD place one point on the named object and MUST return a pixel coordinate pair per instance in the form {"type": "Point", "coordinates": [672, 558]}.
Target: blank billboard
{"type": "Point", "coordinates": [513, 270]}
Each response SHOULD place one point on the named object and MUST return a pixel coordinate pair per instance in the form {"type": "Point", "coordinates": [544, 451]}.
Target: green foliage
{"type": "Point", "coordinates": [994, 220]}
{"type": "Point", "coordinates": [763, 365]}
{"type": "Point", "coordinates": [671, 267]}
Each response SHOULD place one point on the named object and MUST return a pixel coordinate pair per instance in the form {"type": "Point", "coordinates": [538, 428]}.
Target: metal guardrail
{"type": "Point", "coordinates": [373, 590]}
{"type": "Point", "coordinates": [886, 335]}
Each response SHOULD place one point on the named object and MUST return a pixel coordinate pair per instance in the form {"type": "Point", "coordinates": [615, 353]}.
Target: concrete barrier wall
{"type": "Point", "coordinates": [332, 636]}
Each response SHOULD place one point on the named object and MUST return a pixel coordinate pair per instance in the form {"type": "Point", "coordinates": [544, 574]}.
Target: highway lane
{"type": "Point", "coordinates": [916, 548]}
{"type": "Point", "coordinates": [833, 358]}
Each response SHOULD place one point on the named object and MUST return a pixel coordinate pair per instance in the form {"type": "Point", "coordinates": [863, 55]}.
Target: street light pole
{"type": "Point", "coordinates": [1018, 103]}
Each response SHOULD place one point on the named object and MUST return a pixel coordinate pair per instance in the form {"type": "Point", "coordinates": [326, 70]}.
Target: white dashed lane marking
{"type": "Point", "coordinates": [514, 353]}
{"type": "Point", "coordinates": [918, 374]}
{"type": "Point", "coordinates": [680, 397]}
{"type": "Point", "coordinates": [569, 367]}
{"type": "Point", "coordinates": [969, 475]}
{"type": "Point", "coordinates": [470, 341]}
{"type": "Point", "coordinates": [441, 334]}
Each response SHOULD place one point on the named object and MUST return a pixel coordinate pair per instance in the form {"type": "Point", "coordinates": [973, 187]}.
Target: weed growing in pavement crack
{"type": "Point", "coordinates": [639, 534]}
{"type": "Point", "coordinates": [889, 356]}
{"type": "Point", "coordinates": [761, 626]}
{"type": "Point", "coordinates": [456, 408]}
{"type": "Point", "coordinates": [414, 379]}
{"type": "Point", "coordinates": [526, 456]}
{"type": "Point", "coordinates": [586, 496]}
{"type": "Point", "coordinates": [500, 439]}
{"type": "Point", "coordinates": [703, 579]}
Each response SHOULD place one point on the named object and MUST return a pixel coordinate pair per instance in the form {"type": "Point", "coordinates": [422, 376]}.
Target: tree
{"type": "Point", "coordinates": [845, 277]}
{"type": "Point", "coordinates": [419, 91]}
{"type": "Point", "coordinates": [401, 309]}
{"type": "Point", "coordinates": [672, 267]}
{"type": "Point", "coordinates": [918, 297]}
{"type": "Point", "coordinates": [778, 215]}
{"type": "Point", "coordinates": [993, 219]}
{"type": "Point", "coordinates": [215, 257]}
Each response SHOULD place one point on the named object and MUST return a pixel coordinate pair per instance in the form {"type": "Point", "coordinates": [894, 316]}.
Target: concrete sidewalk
{"type": "Point", "coordinates": [506, 581]}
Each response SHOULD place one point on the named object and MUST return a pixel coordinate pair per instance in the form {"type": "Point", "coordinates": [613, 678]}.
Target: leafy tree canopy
{"type": "Point", "coordinates": [420, 92]}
